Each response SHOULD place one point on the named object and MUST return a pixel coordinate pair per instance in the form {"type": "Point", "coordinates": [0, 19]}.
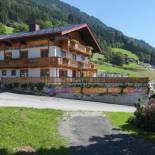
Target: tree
{"type": "Point", "coordinates": [22, 27]}
{"type": "Point", "coordinates": [2, 29]}
{"type": "Point", "coordinates": [117, 59]}
{"type": "Point", "coordinates": [46, 24]}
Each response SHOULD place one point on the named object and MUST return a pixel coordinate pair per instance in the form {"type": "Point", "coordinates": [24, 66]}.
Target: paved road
{"type": "Point", "coordinates": [42, 102]}
{"type": "Point", "coordinates": [90, 133]}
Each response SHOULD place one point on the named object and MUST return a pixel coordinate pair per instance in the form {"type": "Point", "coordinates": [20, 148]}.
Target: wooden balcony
{"type": "Point", "coordinates": [35, 62]}
{"type": "Point", "coordinates": [43, 62]}
{"type": "Point", "coordinates": [76, 46]}
{"type": "Point", "coordinates": [87, 65]}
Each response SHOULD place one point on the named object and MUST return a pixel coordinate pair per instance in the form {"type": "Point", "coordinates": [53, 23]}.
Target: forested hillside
{"type": "Point", "coordinates": [48, 13]}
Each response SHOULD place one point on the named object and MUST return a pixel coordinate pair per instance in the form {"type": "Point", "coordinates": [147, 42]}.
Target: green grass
{"type": "Point", "coordinates": [97, 56]}
{"type": "Point", "coordinates": [120, 120]}
{"type": "Point", "coordinates": [122, 51]}
{"type": "Point", "coordinates": [132, 70]}
{"type": "Point", "coordinates": [30, 127]}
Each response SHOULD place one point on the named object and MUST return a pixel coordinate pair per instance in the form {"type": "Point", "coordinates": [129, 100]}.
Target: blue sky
{"type": "Point", "coordinates": [135, 18]}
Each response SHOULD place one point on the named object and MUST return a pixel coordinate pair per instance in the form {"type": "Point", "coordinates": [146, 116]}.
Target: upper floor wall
{"type": "Point", "coordinates": [37, 52]}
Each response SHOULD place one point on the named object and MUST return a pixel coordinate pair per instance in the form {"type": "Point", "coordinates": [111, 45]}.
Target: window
{"type": "Point", "coordinates": [74, 57]}
{"type": "Point", "coordinates": [24, 73]}
{"type": "Point", "coordinates": [8, 55]}
{"type": "Point", "coordinates": [4, 73]}
{"type": "Point", "coordinates": [44, 73]}
{"type": "Point", "coordinates": [13, 72]}
{"type": "Point", "coordinates": [23, 54]}
{"type": "Point", "coordinates": [62, 73]}
{"type": "Point", "coordinates": [83, 58]}
{"type": "Point", "coordinates": [44, 53]}
{"type": "Point", "coordinates": [63, 54]}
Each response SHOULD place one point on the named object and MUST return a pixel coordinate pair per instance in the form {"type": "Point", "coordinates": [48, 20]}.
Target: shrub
{"type": "Point", "coordinates": [144, 117]}
{"type": "Point", "coordinates": [16, 85]}
{"type": "Point", "coordinates": [40, 86]}
{"type": "Point", "coordinates": [9, 86]}
{"type": "Point", "coordinates": [24, 86]}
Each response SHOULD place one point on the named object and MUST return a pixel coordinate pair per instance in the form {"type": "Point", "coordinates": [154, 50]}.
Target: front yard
{"type": "Point", "coordinates": [30, 130]}
{"type": "Point", "coordinates": [120, 120]}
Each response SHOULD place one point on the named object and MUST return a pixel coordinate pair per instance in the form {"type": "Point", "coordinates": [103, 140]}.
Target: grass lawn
{"type": "Point", "coordinates": [23, 128]}
{"type": "Point", "coordinates": [120, 120]}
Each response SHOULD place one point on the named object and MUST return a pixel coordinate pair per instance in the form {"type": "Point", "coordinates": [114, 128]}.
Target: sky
{"type": "Point", "coordinates": [135, 18]}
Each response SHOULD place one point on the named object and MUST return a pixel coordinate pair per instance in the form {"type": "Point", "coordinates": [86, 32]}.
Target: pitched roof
{"type": "Point", "coordinates": [58, 30]}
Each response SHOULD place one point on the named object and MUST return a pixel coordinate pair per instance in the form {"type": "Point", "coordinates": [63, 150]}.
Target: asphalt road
{"type": "Point", "coordinates": [42, 102]}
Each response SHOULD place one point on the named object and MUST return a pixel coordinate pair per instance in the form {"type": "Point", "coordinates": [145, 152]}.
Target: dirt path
{"type": "Point", "coordinates": [90, 133]}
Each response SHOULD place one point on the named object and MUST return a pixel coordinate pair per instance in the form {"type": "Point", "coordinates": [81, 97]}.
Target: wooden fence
{"type": "Point", "coordinates": [75, 80]}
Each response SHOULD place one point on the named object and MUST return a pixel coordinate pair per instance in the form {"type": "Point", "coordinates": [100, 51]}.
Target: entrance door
{"type": "Point", "coordinates": [74, 74]}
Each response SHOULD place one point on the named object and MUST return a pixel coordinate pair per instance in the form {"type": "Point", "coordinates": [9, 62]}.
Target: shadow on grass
{"type": "Point", "coordinates": [135, 131]}
{"type": "Point", "coordinates": [53, 151]}
{"type": "Point", "coordinates": [118, 144]}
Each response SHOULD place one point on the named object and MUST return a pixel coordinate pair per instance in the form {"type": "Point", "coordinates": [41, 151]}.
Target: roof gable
{"type": "Point", "coordinates": [59, 30]}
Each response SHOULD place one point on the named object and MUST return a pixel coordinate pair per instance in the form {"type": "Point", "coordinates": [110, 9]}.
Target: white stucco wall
{"type": "Point", "coordinates": [34, 72]}
{"type": "Point", "coordinates": [69, 73]}
{"type": "Point", "coordinates": [8, 73]}
{"type": "Point", "coordinates": [15, 54]}
{"type": "Point", "coordinates": [1, 55]}
{"type": "Point", "coordinates": [54, 72]}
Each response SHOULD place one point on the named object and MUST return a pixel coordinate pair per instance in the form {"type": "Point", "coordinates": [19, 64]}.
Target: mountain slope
{"type": "Point", "coordinates": [55, 12]}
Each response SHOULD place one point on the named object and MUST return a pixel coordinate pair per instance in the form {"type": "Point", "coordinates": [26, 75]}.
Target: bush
{"type": "Point", "coordinates": [144, 117]}
{"type": "Point", "coordinates": [16, 85]}
{"type": "Point", "coordinates": [9, 86]}
{"type": "Point", "coordinates": [24, 86]}
{"type": "Point", "coordinates": [31, 86]}
{"type": "Point", "coordinates": [40, 86]}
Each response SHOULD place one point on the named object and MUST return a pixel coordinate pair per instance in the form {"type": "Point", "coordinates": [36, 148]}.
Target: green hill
{"type": "Point", "coordinates": [130, 69]}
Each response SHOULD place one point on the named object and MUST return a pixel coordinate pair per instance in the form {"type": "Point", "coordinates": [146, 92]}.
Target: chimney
{"type": "Point", "coordinates": [34, 27]}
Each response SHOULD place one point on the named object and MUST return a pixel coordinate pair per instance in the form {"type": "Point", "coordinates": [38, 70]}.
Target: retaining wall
{"type": "Point", "coordinates": [124, 96]}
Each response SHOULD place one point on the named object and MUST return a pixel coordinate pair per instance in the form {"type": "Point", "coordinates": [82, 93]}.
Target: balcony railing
{"type": "Point", "coordinates": [118, 80]}
{"type": "Point", "coordinates": [86, 65]}
{"type": "Point", "coordinates": [76, 46]}
{"type": "Point", "coordinates": [44, 62]}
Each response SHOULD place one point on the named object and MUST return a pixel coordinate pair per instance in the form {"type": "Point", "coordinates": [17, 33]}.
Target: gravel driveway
{"type": "Point", "coordinates": [43, 102]}
{"type": "Point", "coordinates": [90, 133]}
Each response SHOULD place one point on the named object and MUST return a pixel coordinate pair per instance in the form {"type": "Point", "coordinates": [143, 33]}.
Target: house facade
{"type": "Point", "coordinates": [48, 54]}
